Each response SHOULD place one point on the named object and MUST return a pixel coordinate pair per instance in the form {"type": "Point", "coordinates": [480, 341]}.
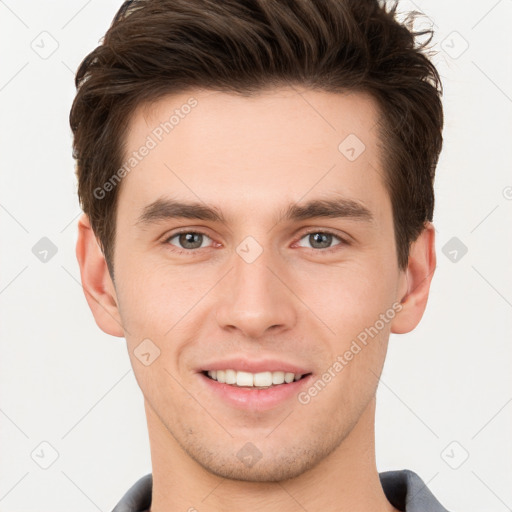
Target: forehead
{"type": "Point", "coordinates": [249, 151]}
{"type": "Point", "coordinates": [205, 118]}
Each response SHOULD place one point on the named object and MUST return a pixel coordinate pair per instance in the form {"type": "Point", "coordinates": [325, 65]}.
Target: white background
{"type": "Point", "coordinates": [445, 392]}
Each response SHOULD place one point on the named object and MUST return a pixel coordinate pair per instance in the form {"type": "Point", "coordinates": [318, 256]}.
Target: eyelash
{"type": "Point", "coordinates": [190, 252]}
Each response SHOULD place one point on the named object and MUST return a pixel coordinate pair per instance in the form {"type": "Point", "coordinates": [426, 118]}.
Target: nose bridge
{"type": "Point", "coordinates": [255, 299]}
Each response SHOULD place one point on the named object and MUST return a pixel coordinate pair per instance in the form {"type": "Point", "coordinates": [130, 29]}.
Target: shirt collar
{"type": "Point", "coordinates": [404, 489]}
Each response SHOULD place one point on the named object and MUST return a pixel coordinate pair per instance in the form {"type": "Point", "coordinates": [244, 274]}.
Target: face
{"type": "Point", "coordinates": [289, 261]}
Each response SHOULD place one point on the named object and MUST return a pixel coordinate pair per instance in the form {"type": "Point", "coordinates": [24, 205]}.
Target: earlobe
{"type": "Point", "coordinates": [96, 281]}
{"type": "Point", "coordinates": [416, 284]}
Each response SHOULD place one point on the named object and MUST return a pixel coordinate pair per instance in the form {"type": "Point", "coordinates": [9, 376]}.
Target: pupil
{"type": "Point", "coordinates": [318, 237]}
{"type": "Point", "coordinates": [191, 240]}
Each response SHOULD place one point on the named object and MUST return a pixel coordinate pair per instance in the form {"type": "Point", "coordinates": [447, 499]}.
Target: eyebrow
{"type": "Point", "coordinates": [165, 209]}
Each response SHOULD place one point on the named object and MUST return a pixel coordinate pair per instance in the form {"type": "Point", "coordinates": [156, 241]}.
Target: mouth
{"type": "Point", "coordinates": [240, 394]}
{"type": "Point", "coordinates": [262, 380]}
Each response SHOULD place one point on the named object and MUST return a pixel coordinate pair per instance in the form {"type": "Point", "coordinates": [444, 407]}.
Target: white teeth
{"type": "Point", "coordinates": [247, 379]}
{"type": "Point", "coordinates": [263, 379]}
{"type": "Point", "coordinates": [277, 377]}
{"type": "Point", "coordinates": [288, 377]}
{"type": "Point", "coordinates": [244, 379]}
{"type": "Point", "coordinates": [230, 377]}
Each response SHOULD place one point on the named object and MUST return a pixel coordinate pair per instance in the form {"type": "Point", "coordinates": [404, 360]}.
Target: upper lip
{"type": "Point", "coordinates": [254, 366]}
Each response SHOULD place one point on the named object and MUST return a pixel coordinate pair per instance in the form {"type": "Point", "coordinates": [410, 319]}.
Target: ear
{"type": "Point", "coordinates": [415, 282]}
{"type": "Point", "coordinates": [96, 281]}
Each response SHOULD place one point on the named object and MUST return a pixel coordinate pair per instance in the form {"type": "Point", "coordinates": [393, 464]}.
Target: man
{"type": "Point", "coordinates": [257, 186]}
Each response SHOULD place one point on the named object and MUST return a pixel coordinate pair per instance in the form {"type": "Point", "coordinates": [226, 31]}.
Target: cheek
{"type": "Point", "coordinates": [348, 297]}
{"type": "Point", "coordinates": [155, 296]}
{"type": "Point", "coordinates": [350, 301]}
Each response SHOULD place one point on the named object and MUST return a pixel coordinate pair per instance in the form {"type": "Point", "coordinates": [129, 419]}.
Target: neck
{"type": "Point", "coordinates": [345, 480]}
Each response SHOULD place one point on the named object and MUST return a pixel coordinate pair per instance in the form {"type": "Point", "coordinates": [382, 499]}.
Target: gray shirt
{"type": "Point", "coordinates": [404, 489]}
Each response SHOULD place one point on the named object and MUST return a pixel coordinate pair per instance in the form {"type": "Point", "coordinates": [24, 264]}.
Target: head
{"type": "Point", "coordinates": [275, 122]}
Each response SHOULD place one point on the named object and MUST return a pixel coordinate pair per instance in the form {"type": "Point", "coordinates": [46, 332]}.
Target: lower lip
{"type": "Point", "coordinates": [255, 399]}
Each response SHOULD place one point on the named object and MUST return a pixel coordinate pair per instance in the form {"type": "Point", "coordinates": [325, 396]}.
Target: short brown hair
{"type": "Point", "coordinates": [158, 47]}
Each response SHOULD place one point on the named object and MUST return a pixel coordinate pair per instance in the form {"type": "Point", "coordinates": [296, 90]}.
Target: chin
{"type": "Point", "coordinates": [271, 464]}
{"type": "Point", "coordinates": [261, 471]}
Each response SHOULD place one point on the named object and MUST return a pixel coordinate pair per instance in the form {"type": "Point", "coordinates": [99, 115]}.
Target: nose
{"type": "Point", "coordinates": [255, 299]}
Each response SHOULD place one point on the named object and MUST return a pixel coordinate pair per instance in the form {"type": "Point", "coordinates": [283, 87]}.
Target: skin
{"type": "Point", "coordinates": [250, 158]}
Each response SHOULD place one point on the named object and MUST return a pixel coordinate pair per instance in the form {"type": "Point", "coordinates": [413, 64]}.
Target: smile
{"type": "Point", "coordinates": [260, 380]}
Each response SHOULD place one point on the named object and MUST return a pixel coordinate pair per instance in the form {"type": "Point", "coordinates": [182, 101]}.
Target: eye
{"type": "Point", "coordinates": [188, 240]}
{"type": "Point", "coordinates": [321, 240]}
